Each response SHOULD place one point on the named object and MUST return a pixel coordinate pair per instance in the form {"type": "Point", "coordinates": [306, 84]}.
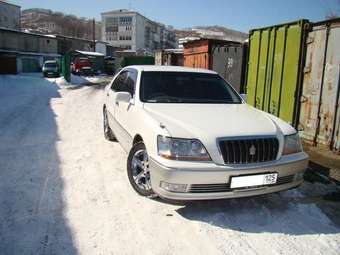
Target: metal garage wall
{"type": "Point", "coordinates": [274, 72]}
{"type": "Point", "coordinates": [30, 64]}
{"type": "Point", "coordinates": [228, 62]}
{"type": "Point", "coordinates": [319, 116]}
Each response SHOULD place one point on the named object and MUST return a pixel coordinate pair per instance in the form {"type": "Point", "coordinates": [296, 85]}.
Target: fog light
{"type": "Point", "coordinates": [173, 187]}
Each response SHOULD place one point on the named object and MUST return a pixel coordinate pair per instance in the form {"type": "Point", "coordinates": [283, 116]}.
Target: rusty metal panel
{"type": "Point", "coordinates": [227, 61]}
{"type": "Point", "coordinates": [329, 98]}
{"type": "Point", "coordinates": [319, 115]}
{"type": "Point", "coordinates": [336, 136]}
{"type": "Point", "coordinates": [196, 54]}
{"type": "Point", "coordinates": [197, 60]}
{"type": "Point", "coordinates": [312, 82]}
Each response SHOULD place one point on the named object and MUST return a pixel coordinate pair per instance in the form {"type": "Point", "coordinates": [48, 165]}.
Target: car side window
{"type": "Point", "coordinates": [118, 83]}
{"type": "Point", "coordinates": [130, 82]}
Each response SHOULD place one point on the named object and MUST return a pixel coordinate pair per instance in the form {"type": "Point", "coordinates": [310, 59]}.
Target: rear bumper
{"type": "Point", "coordinates": [51, 74]}
{"type": "Point", "coordinates": [293, 170]}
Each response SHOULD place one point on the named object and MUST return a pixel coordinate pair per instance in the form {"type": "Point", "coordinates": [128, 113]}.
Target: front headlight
{"type": "Point", "coordinates": [292, 144]}
{"type": "Point", "coordinates": [181, 149]}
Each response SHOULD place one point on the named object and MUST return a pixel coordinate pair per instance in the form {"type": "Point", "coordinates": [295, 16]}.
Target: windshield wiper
{"type": "Point", "coordinates": [165, 99]}
{"type": "Point", "coordinates": [207, 101]}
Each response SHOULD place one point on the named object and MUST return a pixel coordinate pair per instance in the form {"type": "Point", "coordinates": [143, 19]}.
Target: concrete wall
{"type": "Point", "coordinates": [25, 42]}
{"type": "Point", "coordinates": [9, 15]}
{"type": "Point", "coordinates": [140, 32]}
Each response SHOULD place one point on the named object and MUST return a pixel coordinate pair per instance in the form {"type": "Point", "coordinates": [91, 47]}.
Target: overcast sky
{"type": "Point", "coordinates": [241, 15]}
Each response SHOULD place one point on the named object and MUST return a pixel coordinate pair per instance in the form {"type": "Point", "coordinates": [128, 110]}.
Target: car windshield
{"type": "Point", "coordinates": [186, 87]}
{"type": "Point", "coordinates": [53, 65]}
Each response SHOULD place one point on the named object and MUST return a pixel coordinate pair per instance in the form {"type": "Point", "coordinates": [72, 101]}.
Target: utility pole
{"type": "Point", "coordinates": [94, 34]}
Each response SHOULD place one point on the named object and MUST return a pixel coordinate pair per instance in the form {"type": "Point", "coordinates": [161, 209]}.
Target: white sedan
{"type": "Point", "coordinates": [191, 136]}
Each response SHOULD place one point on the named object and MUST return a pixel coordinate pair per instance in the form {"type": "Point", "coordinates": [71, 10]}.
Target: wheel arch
{"type": "Point", "coordinates": [138, 138]}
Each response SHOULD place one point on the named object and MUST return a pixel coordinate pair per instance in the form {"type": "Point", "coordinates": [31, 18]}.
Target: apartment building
{"type": "Point", "coordinates": [9, 15]}
{"type": "Point", "coordinates": [131, 30]}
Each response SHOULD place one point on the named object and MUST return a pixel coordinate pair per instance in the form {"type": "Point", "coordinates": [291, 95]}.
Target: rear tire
{"type": "Point", "coordinates": [108, 134]}
{"type": "Point", "coordinates": [138, 170]}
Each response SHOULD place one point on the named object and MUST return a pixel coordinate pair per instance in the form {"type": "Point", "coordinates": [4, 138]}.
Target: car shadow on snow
{"type": "Point", "coordinates": [31, 188]}
{"type": "Point", "coordinates": [287, 212]}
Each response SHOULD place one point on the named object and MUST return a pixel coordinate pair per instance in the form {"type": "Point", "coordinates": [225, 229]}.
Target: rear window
{"type": "Point", "coordinates": [50, 65]}
{"type": "Point", "coordinates": [186, 87]}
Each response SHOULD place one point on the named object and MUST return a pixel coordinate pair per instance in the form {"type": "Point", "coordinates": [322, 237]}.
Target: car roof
{"type": "Point", "coordinates": [50, 61]}
{"type": "Point", "coordinates": [154, 68]}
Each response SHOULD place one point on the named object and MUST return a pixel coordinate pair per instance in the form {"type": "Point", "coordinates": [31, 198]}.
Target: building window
{"type": "Point", "coordinates": [125, 20]}
{"type": "Point", "coordinates": [127, 47]}
{"type": "Point", "coordinates": [128, 28]}
{"type": "Point", "coordinates": [112, 21]}
{"type": "Point", "coordinates": [111, 29]}
{"type": "Point", "coordinates": [125, 38]}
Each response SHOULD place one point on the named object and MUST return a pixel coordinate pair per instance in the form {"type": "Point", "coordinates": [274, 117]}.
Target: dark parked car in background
{"type": "Point", "coordinates": [51, 69]}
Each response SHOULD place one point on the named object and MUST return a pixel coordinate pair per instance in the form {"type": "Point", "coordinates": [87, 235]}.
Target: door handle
{"type": "Point", "coordinates": [117, 103]}
{"type": "Point", "coordinates": [107, 94]}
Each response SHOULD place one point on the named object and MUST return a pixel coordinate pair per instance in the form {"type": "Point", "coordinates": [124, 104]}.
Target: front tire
{"type": "Point", "coordinates": [108, 134]}
{"type": "Point", "coordinates": [138, 170]}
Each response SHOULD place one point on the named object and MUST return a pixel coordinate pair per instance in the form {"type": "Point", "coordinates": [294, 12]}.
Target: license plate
{"type": "Point", "coordinates": [253, 180]}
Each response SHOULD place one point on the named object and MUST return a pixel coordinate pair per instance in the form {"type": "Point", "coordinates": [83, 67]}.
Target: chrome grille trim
{"type": "Point", "coordinates": [238, 151]}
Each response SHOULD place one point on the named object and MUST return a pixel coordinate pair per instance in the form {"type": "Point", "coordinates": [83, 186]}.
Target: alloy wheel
{"type": "Point", "coordinates": [140, 170]}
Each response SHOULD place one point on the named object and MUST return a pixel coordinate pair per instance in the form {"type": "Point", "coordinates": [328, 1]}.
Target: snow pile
{"type": "Point", "coordinates": [75, 80]}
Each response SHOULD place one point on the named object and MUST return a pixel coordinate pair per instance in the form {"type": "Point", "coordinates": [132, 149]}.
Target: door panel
{"type": "Point", "coordinates": [125, 111]}
{"type": "Point", "coordinates": [111, 103]}
{"type": "Point", "coordinates": [277, 71]}
{"type": "Point", "coordinates": [261, 77]}
{"type": "Point", "coordinates": [274, 69]}
{"type": "Point", "coordinates": [252, 67]}
{"type": "Point", "coordinates": [290, 74]}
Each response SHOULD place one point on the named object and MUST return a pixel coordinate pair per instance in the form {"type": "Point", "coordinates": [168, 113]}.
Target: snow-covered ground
{"type": "Point", "coordinates": [78, 80]}
{"type": "Point", "coordinates": [64, 190]}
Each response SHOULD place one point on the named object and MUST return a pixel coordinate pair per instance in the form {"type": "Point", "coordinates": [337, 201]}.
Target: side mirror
{"type": "Point", "coordinates": [123, 97]}
{"type": "Point", "coordinates": [244, 97]}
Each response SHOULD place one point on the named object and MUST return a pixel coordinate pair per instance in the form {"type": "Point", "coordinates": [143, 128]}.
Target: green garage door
{"type": "Point", "coordinates": [274, 68]}
{"type": "Point", "coordinates": [30, 65]}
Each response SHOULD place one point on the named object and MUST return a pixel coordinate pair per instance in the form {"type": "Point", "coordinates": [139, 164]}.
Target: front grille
{"type": "Point", "coordinates": [225, 187]}
{"type": "Point", "coordinates": [254, 150]}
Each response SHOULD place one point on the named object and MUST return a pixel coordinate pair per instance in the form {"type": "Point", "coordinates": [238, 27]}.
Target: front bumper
{"type": "Point", "coordinates": [289, 170]}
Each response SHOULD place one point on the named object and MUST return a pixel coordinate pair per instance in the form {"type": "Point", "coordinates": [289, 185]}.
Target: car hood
{"type": "Point", "coordinates": [215, 120]}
